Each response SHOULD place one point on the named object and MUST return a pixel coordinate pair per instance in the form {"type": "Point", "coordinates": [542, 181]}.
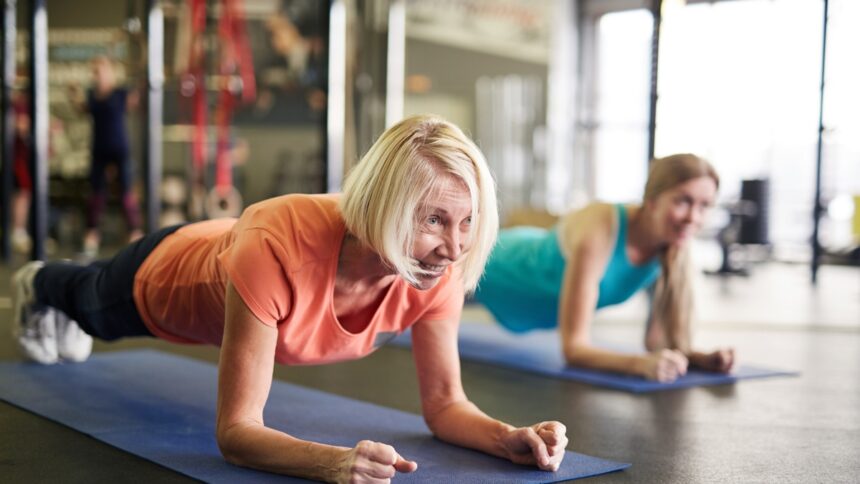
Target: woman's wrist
{"type": "Point", "coordinates": [639, 365]}
{"type": "Point", "coordinates": [338, 460]}
{"type": "Point", "coordinates": [697, 358]}
{"type": "Point", "coordinates": [503, 432]}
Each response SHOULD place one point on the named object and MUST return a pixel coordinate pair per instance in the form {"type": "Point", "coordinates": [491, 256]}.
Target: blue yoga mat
{"type": "Point", "coordinates": [539, 351]}
{"type": "Point", "coordinates": [162, 407]}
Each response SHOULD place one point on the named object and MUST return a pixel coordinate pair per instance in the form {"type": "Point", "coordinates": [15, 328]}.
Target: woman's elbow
{"type": "Point", "coordinates": [434, 421]}
{"type": "Point", "coordinates": [654, 340]}
{"type": "Point", "coordinates": [574, 354]}
{"type": "Point", "coordinates": [229, 443]}
{"type": "Point", "coordinates": [433, 425]}
{"type": "Point", "coordinates": [436, 415]}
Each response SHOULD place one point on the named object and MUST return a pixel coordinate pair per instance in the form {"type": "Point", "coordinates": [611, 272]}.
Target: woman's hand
{"type": "Point", "coordinates": [721, 360]}
{"type": "Point", "coordinates": [541, 444]}
{"type": "Point", "coordinates": [373, 462]}
{"type": "Point", "coordinates": [665, 365]}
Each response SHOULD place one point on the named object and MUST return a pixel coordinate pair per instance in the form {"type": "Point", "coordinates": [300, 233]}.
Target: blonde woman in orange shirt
{"type": "Point", "coordinates": [308, 279]}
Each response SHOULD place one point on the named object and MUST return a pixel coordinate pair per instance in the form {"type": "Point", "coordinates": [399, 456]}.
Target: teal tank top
{"type": "Point", "coordinates": [522, 279]}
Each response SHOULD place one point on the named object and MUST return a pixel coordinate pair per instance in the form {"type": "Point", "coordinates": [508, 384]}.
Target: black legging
{"type": "Point", "coordinates": [98, 196]}
{"type": "Point", "coordinates": [100, 296]}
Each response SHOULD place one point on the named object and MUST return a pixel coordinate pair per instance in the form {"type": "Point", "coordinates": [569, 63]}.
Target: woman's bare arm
{"type": "Point", "coordinates": [590, 244]}
{"type": "Point", "coordinates": [244, 380]}
{"type": "Point", "coordinates": [721, 360]}
{"type": "Point", "coordinates": [453, 418]}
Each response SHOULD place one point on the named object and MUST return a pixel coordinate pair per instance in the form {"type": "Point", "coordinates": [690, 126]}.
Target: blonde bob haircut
{"type": "Point", "coordinates": [384, 194]}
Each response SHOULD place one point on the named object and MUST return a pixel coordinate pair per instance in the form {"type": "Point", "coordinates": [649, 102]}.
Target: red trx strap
{"type": "Point", "coordinates": [235, 56]}
{"type": "Point", "coordinates": [197, 77]}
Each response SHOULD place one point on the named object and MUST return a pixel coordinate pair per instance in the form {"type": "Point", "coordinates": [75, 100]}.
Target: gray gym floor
{"type": "Point", "coordinates": [804, 429]}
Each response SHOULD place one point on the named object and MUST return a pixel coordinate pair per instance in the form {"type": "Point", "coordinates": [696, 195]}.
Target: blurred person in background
{"type": "Point", "coordinates": [22, 179]}
{"type": "Point", "coordinates": [601, 255]}
{"type": "Point", "coordinates": [107, 104]}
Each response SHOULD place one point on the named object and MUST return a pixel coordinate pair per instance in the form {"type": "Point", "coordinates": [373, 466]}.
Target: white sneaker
{"type": "Point", "coordinates": [21, 242]}
{"type": "Point", "coordinates": [91, 244]}
{"type": "Point", "coordinates": [73, 344]}
{"type": "Point", "coordinates": [35, 329]}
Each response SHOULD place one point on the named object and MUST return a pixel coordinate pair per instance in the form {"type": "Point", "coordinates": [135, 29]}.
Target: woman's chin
{"type": "Point", "coordinates": [425, 283]}
{"type": "Point", "coordinates": [681, 240]}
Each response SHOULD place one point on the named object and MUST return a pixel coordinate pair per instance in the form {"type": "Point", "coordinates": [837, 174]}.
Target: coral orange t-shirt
{"type": "Point", "coordinates": [281, 255]}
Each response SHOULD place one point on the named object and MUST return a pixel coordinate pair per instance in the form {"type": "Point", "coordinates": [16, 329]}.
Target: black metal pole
{"type": "Point", "coordinates": [324, 24]}
{"type": "Point", "coordinates": [152, 145]}
{"type": "Point", "coordinates": [817, 206]}
{"type": "Point", "coordinates": [39, 124]}
{"type": "Point", "coordinates": [7, 125]}
{"type": "Point", "coordinates": [656, 12]}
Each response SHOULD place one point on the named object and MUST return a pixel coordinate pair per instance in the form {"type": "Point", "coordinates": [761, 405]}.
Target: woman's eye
{"type": "Point", "coordinates": [433, 220]}
{"type": "Point", "coordinates": [467, 221]}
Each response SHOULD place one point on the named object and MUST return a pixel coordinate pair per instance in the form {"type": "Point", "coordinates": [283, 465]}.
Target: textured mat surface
{"type": "Point", "coordinates": [540, 352]}
{"type": "Point", "coordinates": [162, 407]}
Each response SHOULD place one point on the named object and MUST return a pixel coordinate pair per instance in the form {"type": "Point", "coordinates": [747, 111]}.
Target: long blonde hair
{"type": "Point", "coordinates": [383, 192]}
{"type": "Point", "coordinates": [673, 298]}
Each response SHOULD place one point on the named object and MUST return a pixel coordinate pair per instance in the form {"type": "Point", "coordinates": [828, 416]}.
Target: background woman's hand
{"type": "Point", "coordinates": [373, 462]}
{"type": "Point", "coordinates": [721, 360]}
{"type": "Point", "coordinates": [665, 365]}
{"type": "Point", "coordinates": [541, 444]}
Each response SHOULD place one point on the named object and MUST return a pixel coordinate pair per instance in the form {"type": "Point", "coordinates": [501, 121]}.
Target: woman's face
{"type": "Point", "coordinates": [680, 211]}
{"type": "Point", "coordinates": [103, 73]}
{"type": "Point", "coordinates": [443, 230]}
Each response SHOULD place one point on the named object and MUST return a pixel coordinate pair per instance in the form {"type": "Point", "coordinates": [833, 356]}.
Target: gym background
{"type": "Point", "coordinates": [244, 100]}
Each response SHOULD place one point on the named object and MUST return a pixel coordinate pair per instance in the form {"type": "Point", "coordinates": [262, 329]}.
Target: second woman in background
{"type": "Point", "coordinates": [107, 103]}
{"type": "Point", "coordinates": [601, 255]}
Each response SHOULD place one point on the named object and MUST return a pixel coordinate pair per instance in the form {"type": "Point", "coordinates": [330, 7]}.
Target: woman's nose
{"type": "Point", "coordinates": [452, 244]}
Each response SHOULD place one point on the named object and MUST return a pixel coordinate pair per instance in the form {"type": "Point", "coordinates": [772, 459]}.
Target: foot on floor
{"type": "Point", "coordinates": [73, 344]}
{"type": "Point", "coordinates": [34, 327]}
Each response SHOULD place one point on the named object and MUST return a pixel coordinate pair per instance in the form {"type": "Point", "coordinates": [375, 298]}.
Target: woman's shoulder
{"type": "Point", "coordinates": [591, 218]}
{"type": "Point", "coordinates": [294, 205]}
{"type": "Point", "coordinates": [305, 226]}
{"type": "Point", "coordinates": [591, 227]}
{"type": "Point", "coordinates": [293, 213]}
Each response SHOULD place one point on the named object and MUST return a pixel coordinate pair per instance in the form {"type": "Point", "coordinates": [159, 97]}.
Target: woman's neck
{"type": "Point", "coordinates": [642, 237]}
{"type": "Point", "coordinates": [361, 284]}
{"type": "Point", "coordinates": [103, 89]}
{"type": "Point", "coordinates": [359, 267]}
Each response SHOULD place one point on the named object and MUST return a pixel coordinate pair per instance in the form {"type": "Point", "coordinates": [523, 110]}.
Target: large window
{"type": "Point", "coordinates": [621, 105]}
{"type": "Point", "coordinates": [739, 84]}
{"type": "Point", "coordinates": [742, 89]}
{"type": "Point", "coordinates": [841, 150]}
